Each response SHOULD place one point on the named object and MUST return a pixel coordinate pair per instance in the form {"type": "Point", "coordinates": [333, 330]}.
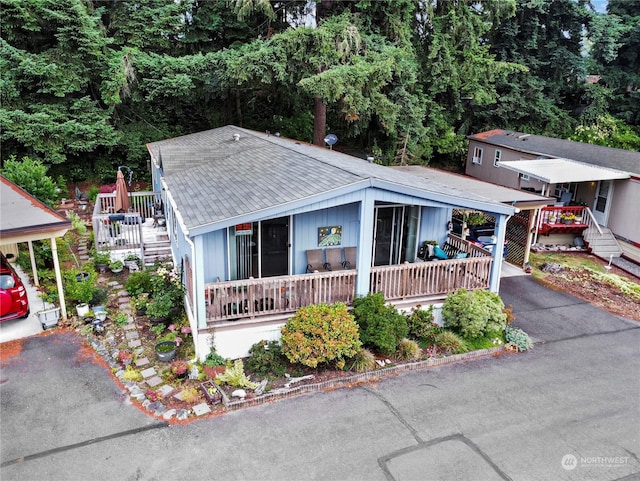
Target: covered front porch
{"type": "Point", "coordinates": [271, 298]}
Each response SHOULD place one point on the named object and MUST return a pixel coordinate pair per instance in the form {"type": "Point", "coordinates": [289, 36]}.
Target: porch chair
{"type": "Point", "coordinates": [350, 255]}
{"type": "Point", "coordinates": [334, 259]}
{"type": "Point", "coordinates": [314, 261]}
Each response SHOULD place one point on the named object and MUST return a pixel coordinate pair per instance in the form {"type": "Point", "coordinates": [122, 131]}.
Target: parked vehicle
{"type": "Point", "coordinates": [14, 303]}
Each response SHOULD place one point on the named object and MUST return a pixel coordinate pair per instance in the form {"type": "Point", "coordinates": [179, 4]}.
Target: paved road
{"type": "Point", "coordinates": [574, 397]}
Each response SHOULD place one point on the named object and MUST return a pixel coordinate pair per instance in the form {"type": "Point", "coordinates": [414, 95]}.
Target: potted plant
{"type": "Point", "coordinates": [80, 287]}
{"type": "Point", "coordinates": [131, 262]}
{"type": "Point", "coordinates": [551, 219]}
{"type": "Point", "coordinates": [49, 317]}
{"type": "Point", "coordinates": [159, 307]}
{"type": "Point", "coordinates": [166, 350]}
{"type": "Point", "coordinates": [179, 368]}
{"type": "Point", "coordinates": [102, 261]}
{"type": "Point", "coordinates": [139, 303]}
{"type": "Point", "coordinates": [567, 218]}
{"type": "Point", "coordinates": [125, 357]}
{"type": "Point", "coordinates": [116, 267]}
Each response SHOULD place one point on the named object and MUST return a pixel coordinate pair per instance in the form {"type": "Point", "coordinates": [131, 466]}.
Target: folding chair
{"type": "Point", "coordinates": [334, 259]}
{"type": "Point", "coordinates": [314, 261]}
{"type": "Point", "coordinates": [350, 255]}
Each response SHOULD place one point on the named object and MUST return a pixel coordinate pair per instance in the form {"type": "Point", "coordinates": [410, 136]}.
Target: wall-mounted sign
{"type": "Point", "coordinates": [330, 236]}
{"type": "Point", "coordinates": [244, 229]}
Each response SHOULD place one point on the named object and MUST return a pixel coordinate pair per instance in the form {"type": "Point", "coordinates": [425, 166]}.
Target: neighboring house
{"type": "Point", "coordinates": [23, 218]}
{"type": "Point", "coordinates": [600, 185]}
{"type": "Point", "coordinates": [247, 213]}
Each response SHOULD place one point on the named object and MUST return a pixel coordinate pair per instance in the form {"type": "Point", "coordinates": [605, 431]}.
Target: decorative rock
{"type": "Point", "coordinates": [293, 380]}
{"type": "Point", "coordinates": [260, 389]}
{"type": "Point", "coordinates": [178, 396]}
{"type": "Point", "coordinates": [153, 406]}
{"type": "Point", "coordinates": [195, 372]}
{"type": "Point", "coordinates": [241, 393]}
{"type": "Point", "coordinates": [182, 414]}
{"type": "Point", "coordinates": [201, 409]}
{"type": "Point", "coordinates": [169, 414]}
{"type": "Point", "coordinates": [552, 267]}
{"type": "Point", "coordinates": [132, 335]}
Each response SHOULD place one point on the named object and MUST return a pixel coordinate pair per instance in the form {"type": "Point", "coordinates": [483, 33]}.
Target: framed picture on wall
{"type": "Point", "coordinates": [330, 236]}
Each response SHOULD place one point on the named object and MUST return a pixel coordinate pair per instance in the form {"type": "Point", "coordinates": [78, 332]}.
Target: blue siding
{"type": "Point", "coordinates": [305, 230]}
{"type": "Point", "coordinates": [433, 224]}
{"type": "Point", "coordinates": [215, 252]}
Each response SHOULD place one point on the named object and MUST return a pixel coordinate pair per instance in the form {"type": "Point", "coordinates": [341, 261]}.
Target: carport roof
{"type": "Point", "coordinates": [25, 218]}
{"type": "Point", "coordinates": [558, 171]}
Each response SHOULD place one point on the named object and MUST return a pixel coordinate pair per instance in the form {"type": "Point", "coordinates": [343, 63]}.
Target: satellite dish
{"type": "Point", "coordinates": [330, 140]}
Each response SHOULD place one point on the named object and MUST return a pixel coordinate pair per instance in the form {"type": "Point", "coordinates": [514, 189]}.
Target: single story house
{"type": "Point", "coordinates": [261, 225]}
{"type": "Point", "coordinates": [599, 186]}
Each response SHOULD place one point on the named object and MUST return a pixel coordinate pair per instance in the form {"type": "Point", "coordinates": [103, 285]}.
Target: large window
{"type": "Point", "coordinates": [259, 249]}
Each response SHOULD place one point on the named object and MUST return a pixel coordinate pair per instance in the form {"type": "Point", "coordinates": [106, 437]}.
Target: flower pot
{"type": "Point", "coordinates": [102, 268]}
{"type": "Point", "coordinates": [165, 351]}
{"type": "Point", "coordinates": [82, 309]}
{"type": "Point", "coordinates": [49, 317]}
{"type": "Point", "coordinates": [116, 270]}
{"type": "Point", "coordinates": [212, 392]}
{"type": "Point", "coordinates": [131, 265]}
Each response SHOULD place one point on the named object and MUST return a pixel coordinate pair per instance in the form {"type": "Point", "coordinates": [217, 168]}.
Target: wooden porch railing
{"type": "Point", "coordinates": [258, 298]}
{"type": "Point", "coordinates": [249, 298]}
{"type": "Point", "coordinates": [550, 219]}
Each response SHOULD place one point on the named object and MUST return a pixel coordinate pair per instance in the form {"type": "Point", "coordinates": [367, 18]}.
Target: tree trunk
{"type": "Point", "coordinates": [319, 121]}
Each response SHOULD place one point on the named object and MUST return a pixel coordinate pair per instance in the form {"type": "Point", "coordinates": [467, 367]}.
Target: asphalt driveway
{"type": "Point", "coordinates": [567, 410]}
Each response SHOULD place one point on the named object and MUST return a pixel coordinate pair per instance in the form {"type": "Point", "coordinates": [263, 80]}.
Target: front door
{"type": "Point", "coordinates": [602, 201]}
{"type": "Point", "coordinates": [259, 249]}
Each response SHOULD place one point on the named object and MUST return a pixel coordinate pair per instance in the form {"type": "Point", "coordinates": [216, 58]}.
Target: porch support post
{"type": "Point", "coordinates": [56, 268]}
{"type": "Point", "coordinates": [365, 243]}
{"type": "Point", "coordinates": [496, 265]}
{"type": "Point", "coordinates": [197, 266]}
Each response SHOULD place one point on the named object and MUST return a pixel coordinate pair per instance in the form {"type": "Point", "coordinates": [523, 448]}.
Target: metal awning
{"type": "Point", "coordinates": [560, 171]}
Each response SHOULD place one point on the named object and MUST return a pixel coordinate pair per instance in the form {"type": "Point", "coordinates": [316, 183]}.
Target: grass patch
{"type": "Point", "coordinates": [477, 343]}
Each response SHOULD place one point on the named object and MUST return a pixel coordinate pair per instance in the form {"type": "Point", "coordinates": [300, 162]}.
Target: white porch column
{"type": "Point", "coordinates": [496, 267]}
{"type": "Point", "coordinates": [56, 268]}
{"type": "Point", "coordinates": [197, 265]}
{"type": "Point", "coordinates": [365, 243]}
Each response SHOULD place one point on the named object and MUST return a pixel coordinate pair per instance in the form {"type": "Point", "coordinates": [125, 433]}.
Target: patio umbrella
{"type": "Point", "coordinates": [122, 194]}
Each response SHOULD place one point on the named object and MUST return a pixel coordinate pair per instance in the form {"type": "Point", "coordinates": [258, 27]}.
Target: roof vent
{"type": "Point", "coordinates": [370, 159]}
{"type": "Point", "coordinates": [236, 137]}
{"type": "Point", "coordinates": [523, 136]}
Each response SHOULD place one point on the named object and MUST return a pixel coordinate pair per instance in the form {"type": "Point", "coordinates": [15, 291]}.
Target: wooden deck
{"type": "Point", "coordinates": [278, 297]}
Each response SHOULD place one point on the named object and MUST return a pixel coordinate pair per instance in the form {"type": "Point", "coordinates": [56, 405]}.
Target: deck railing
{"type": "Point", "coordinates": [259, 298]}
{"type": "Point", "coordinates": [249, 298]}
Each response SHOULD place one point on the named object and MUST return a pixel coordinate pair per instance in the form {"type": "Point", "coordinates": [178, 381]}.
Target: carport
{"type": "Point", "coordinates": [25, 219]}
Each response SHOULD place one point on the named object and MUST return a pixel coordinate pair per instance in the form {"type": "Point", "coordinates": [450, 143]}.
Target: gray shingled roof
{"type": "Point", "coordinates": [625, 160]}
{"type": "Point", "coordinates": [213, 177]}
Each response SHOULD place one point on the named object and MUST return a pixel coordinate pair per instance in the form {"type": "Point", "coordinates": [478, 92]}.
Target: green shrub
{"type": "Point", "coordinates": [473, 313]}
{"type": "Point", "coordinates": [138, 282]}
{"type": "Point", "coordinates": [364, 360]}
{"type": "Point", "coordinates": [320, 334]}
{"type": "Point", "coordinates": [266, 358]}
{"type": "Point", "coordinates": [408, 350]}
{"type": "Point", "coordinates": [381, 326]}
{"type": "Point", "coordinates": [80, 291]}
{"type": "Point", "coordinates": [420, 325]}
{"type": "Point", "coordinates": [450, 342]}
{"type": "Point", "coordinates": [520, 338]}
{"type": "Point", "coordinates": [214, 359]}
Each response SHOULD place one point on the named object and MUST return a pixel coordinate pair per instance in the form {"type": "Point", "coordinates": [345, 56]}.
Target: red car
{"type": "Point", "coordinates": [14, 303]}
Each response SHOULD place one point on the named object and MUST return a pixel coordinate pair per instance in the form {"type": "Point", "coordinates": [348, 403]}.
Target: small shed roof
{"type": "Point", "coordinates": [213, 177]}
{"type": "Point", "coordinates": [24, 218]}
{"type": "Point", "coordinates": [558, 171]}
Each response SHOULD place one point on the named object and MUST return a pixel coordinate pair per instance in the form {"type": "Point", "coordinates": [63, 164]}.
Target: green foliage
{"type": "Point", "coordinates": [381, 326]}
{"type": "Point", "coordinates": [159, 305]}
{"type": "Point", "coordinates": [121, 319]}
{"type": "Point", "coordinates": [234, 375]}
{"type": "Point", "coordinates": [80, 291]}
{"type": "Point", "coordinates": [450, 342]}
{"type": "Point", "coordinates": [319, 334]}
{"type": "Point", "coordinates": [518, 337]}
{"type": "Point", "coordinates": [364, 360]}
{"type": "Point", "coordinates": [408, 350]}
{"type": "Point", "coordinates": [421, 326]}
{"type": "Point", "coordinates": [131, 374]}
{"type": "Point", "coordinates": [31, 175]}
{"type": "Point", "coordinates": [214, 359]}
{"type": "Point", "coordinates": [473, 313]}
{"type": "Point", "coordinates": [138, 282]}
{"type": "Point", "coordinates": [266, 358]}
{"type": "Point", "coordinates": [102, 258]}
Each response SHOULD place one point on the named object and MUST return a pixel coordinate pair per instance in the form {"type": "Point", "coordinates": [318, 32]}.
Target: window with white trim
{"type": "Point", "coordinates": [496, 157]}
{"type": "Point", "coordinates": [477, 156]}
{"type": "Point", "coordinates": [525, 177]}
